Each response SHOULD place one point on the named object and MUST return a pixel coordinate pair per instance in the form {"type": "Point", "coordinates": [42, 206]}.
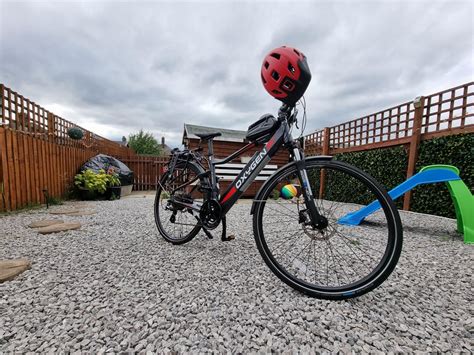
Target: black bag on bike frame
{"type": "Point", "coordinates": [263, 129]}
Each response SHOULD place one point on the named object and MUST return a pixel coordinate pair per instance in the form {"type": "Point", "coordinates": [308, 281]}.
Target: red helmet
{"type": "Point", "coordinates": [285, 74]}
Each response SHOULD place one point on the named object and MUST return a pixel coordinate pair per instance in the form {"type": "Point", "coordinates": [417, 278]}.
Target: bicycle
{"type": "Point", "coordinates": [293, 228]}
{"type": "Point", "coordinates": [358, 258]}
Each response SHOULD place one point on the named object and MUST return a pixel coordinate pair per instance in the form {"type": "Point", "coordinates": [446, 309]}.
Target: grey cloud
{"type": "Point", "coordinates": [156, 65]}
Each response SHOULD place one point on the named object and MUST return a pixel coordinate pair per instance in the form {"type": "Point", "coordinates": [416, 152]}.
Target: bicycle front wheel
{"type": "Point", "coordinates": [341, 261]}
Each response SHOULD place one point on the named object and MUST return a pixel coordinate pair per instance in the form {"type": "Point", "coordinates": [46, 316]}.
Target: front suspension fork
{"type": "Point", "coordinates": [317, 220]}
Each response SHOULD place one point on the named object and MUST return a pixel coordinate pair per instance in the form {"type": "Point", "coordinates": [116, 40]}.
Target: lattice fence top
{"type": "Point", "coordinates": [449, 109]}
{"type": "Point", "coordinates": [446, 112]}
{"type": "Point", "coordinates": [21, 114]}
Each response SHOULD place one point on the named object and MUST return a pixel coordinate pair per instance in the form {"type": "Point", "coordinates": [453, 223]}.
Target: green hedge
{"type": "Point", "coordinates": [452, 150]}
{"type": "Point", "coordinates": [389, 166]}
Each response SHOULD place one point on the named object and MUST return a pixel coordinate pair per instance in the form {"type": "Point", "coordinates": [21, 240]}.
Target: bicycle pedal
{"type": "Point", "coordinates": [228, 239]}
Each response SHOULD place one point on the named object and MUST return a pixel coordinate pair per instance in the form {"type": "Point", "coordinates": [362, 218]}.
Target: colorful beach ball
{"type": "Point", "coordinates": [289, 191]}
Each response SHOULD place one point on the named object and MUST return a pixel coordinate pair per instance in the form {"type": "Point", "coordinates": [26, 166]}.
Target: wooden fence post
{"type": "Point", "coordinates": [2, 105]}
{"type": "Point", "coordinates": [2, 148]}
{"type": "Point", "coordinates": [322, 177]}
{"type": "Point", "coordinates": [51, 128]}
{"type": "Point", "coordinates": [419, 104]}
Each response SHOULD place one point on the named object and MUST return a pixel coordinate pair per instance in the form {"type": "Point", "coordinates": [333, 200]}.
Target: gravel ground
{"type": "Point", "coordinates": [115, 286]}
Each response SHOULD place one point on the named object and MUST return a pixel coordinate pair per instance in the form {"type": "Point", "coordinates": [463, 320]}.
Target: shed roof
{"type": "Point", "coordinates": [230, 135]}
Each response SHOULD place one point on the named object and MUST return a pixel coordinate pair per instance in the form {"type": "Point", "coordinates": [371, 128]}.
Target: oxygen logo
{"type": "Point", "coordinates": [251, 168]}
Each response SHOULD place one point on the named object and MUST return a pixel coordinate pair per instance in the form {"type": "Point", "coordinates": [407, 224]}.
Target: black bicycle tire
{"type": "Point", "coordinates": [395, 231]}
{"type": "Point", "coordinates": [156, 206]}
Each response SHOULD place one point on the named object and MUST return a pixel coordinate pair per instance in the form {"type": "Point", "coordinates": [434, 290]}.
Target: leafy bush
{"type": "Point", "coordinates": [144, 143]}
{"type": "Point", "coordinates": [275, 194]}
{"type": "Point", "coordinates": [99, 182]}
{"type": "Point", "coordinates": [164, 195]}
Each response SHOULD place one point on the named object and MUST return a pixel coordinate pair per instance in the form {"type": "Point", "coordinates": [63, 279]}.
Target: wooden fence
{"type": "Point", "coordinates": [147, 170]}
{"type": "Point", "coordinates": [37, 157]}
{"type": "Point", "coordinates": [443, 113]}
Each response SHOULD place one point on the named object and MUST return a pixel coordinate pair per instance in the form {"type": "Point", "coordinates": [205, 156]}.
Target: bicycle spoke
{"type": "Point", "coordinates": [333, 253]}
{"type": "Point", "coordinates": [357, 256]}
{"type": "Point", "coordinates": [309, 254]}
{"type": "Point", "coordinates": [286, 240]}
{"type": "Point", "coordinates": [344, 237]}
{"type": "Point", "coordinates": [315, 264]}
{"type": "Point", "coordinates": [283, 205]}
{"type": "Point", "coordinates": [286, 214]}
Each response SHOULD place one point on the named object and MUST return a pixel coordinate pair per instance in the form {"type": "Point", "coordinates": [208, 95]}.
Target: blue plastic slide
{"type": "Point", "coordinates": [438, 174]}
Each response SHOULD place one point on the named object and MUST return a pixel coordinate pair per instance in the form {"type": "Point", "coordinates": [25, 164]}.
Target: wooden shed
{"type": "Point", "coordinates": [229, 142]}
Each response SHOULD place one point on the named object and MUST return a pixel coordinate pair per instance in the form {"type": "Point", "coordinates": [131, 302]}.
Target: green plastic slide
{"type": "Point", "coordinates": [463, 203]}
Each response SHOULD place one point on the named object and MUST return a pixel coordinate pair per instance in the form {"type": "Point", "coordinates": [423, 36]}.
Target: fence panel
{"type": "Point", "coordinates": [147, 170]}
{"type": "Point", "coordinates": [444, 113]}
{"type": "Point", "coordinates": [440, 114]}
{"type": "Point", "coordinates": [36, 154]}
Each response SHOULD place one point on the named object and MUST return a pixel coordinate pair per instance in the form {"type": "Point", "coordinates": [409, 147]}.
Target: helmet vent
{"type": "Point", "coordinates": [275, 55]}
{"type": "Point", "coordinates": [288, 85]}
{"type": "Point", "coordinates": [275, 75]}
{"type": "Point", "coordinates": [276, 92]}
{"type": "Point", "coordinates": [291, 68]}
{"type": "Point", "coordinates": [296, 51]}
{"type": "Point", "coordinates": [263, 79]}
{"type": "Point", "coordinates": [266, 65]}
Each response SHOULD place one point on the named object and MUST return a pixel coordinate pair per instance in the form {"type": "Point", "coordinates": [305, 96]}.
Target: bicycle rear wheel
{"type": "Point", "coordinates": [176, 223]}
{"type": "Point", "coordinates": [341, 261]}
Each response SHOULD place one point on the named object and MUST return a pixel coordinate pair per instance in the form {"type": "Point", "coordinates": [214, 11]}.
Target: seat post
{"type": "Point", "coordinates": [214, 184]}
{"type": "Point", "coordinates": [210, 147]}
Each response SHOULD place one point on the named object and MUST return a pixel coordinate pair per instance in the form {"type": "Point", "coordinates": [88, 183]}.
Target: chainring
{"type": "Point", "coordinates": [210, 214]}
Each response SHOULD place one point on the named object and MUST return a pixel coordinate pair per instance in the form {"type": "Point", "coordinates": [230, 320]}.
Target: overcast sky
{"type": "Point", "coordinates": [116, 67]}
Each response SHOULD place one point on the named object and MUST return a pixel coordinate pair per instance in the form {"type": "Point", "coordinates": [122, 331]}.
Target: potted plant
{"type": "Point", "coordinates": [113, 184]}
{"type": "Point", "coordinates": [93, 185]}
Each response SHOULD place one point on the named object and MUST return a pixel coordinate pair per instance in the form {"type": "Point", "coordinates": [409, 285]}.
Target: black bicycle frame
{"type": "Point", "coordinates": [251, 170]}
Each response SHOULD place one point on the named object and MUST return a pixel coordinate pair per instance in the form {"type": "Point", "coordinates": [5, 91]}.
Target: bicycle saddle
{"type": "Point", "coordinates": [207, 136]}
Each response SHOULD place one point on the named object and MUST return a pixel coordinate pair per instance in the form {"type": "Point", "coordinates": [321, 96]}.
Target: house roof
{"type": "Point", "coordinates": [125, 144]}
{"type": "Point", "coordinates": [230, 135]}
{"type": "Point", "coordinates": [166, 149]}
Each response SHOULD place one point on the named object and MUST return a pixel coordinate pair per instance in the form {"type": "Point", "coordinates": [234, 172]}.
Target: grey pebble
{"type": "Point", "coordinates": [117, 286]}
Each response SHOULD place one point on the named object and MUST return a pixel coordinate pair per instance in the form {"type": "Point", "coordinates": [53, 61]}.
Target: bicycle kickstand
{"type": "Point", "coordinates": [224, 237]}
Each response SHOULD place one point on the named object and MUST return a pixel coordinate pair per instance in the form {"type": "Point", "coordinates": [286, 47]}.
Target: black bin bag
{"type": "Point", "coordinates": [102, 161]}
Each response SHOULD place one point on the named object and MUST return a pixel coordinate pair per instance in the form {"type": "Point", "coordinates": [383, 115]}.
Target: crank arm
{"type": "Point", "coordinates": [208, 234]}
